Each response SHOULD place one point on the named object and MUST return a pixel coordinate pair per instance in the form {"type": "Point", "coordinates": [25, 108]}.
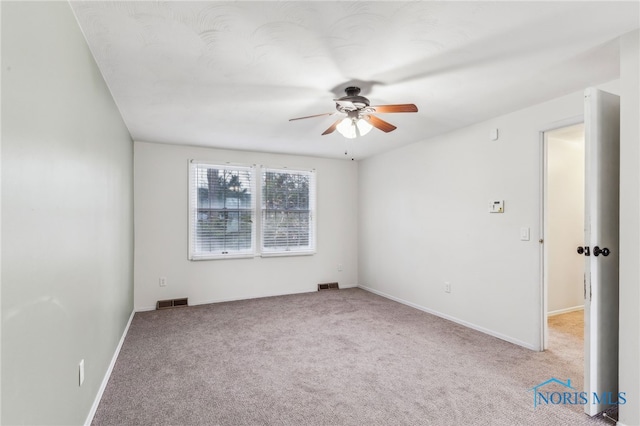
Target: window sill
{"type": "Point", "coordinates": [252, 255]}
{"type": "Point", "coordinates": [288, 253]}
{"type": "Point", "coordinates": [223, 257]}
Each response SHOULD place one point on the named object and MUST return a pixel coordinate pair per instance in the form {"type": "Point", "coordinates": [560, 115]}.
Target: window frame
{"type": "Point", "coordinates": [194, 254]}
{"type": "Point", "coordinates": [260, 213]}
{"type": "Point", "coordinates": [257, 175]}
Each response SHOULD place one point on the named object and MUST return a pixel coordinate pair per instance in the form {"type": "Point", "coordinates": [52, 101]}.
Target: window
{"type": "Point", "coordinates": [223, 210]}
{"type": "Point", "coordinates": [288, 209]}
{"type": "Point", "coordinates": [222, 207]}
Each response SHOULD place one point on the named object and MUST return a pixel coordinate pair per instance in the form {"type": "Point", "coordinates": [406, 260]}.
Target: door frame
{"type": "Point", "coordinates": [544, 290]}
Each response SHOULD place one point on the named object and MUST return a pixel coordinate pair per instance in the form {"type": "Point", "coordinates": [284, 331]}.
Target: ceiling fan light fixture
{"type": "Point", "coordinates": [353, 127]}
{"type": "Point", "coordinates": [360, 116]}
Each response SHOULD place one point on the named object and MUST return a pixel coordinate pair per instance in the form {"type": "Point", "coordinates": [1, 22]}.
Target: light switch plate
{"type": "Point", "coordinates": [524, 234]}
{"type": "Point", "coordinates": [81, 373]}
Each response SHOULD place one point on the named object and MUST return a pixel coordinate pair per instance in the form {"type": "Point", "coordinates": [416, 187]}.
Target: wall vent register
{"type": "Point", "coordinates": [328, 286]}
{"type": "Point", "coordinates": [172, 303]}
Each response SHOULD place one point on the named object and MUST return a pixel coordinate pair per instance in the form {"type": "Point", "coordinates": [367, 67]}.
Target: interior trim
{"type": "Point", "coordinates": [107, 375]}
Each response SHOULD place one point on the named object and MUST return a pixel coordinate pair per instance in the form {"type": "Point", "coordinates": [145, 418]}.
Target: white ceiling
{"type": "Point", "coordinates": [230, 74]}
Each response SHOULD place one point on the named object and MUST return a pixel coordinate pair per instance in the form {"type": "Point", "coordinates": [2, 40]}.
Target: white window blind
{"type": "Point", "coordinates": [222, 208]}
{"type": "Point", "coordinates": [288, 211]}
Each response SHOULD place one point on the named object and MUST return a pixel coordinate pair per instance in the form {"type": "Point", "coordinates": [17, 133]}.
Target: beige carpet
{"type": "Point", "coordinates": [569, 324]}
{"type": "Point", "coordinates": [344, 357]}
{"type": "Point", "coordinates": [566, 335]}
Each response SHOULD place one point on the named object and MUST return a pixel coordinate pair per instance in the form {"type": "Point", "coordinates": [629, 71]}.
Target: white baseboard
{"type": "Point", "coordinates": [107, 375]}
{"type": "Point", "coordinates": [349, 286]}
{"type": "Point", "coordinates": [565, 310]}
{"type": "Point", "coordinates": [233, 299]}
{"type": "Point", "coordinates": [453, 319]}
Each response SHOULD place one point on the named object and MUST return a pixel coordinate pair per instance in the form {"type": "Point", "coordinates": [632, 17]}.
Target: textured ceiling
{"type": "Point", "coordinates": [231, 74]}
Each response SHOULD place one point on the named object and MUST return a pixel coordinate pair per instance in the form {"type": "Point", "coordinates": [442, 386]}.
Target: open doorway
{"type": "Point", "coordinates": [564, 183]}
{"type": "Point", "coordinates": [597, 250]}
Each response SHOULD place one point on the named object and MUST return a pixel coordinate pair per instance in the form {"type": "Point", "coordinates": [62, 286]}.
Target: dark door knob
{"type": "Point", "coordinates": [597, 251]}
{"type": "Point", "coordinates": [584, 250]}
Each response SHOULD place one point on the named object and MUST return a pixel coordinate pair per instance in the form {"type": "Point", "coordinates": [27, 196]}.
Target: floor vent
{"type": "Point", "coordinates": [328, 286]}
{"type": "Point", "coordinates": [172, 303]}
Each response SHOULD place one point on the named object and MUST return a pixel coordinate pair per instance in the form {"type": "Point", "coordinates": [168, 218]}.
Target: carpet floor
{"type": "Point", "coordinates": [344, 357]}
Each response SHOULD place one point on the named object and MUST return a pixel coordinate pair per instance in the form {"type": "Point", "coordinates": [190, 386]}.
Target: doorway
{"type": "Point", "coordinates": [599, 249]}
{"type": "Point", "coordinates": [563, 218]}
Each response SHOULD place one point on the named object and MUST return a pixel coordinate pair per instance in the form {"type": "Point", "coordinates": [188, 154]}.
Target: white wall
{"type": "Point", "coordinates": [433, 198]}
{"type": "Point", "coordinates": [629, 380]}
{"type": "Point", "coordinates": [564, 221]}
{"type": "Point", "coordinates": [161, 173]}
{"type": "Point", "coordinates": [67, 218]}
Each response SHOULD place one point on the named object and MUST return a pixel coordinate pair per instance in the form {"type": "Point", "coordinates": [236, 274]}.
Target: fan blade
{"type": "Point", "coordinates": [311, 116]}
{"type": "Point", "coordinates": [380, 124]}
{"type": "Point", "coordinates": [332, 128]}
{"type": "Point", "coordinates": [395, 108]}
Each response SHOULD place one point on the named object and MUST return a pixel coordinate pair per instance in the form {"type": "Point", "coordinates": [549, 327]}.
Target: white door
{"type": "Point", "coordinates": [602, 183]}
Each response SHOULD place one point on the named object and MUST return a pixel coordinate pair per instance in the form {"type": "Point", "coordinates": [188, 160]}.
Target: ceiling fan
{"type": "Point", "coordinates": [359, 119]}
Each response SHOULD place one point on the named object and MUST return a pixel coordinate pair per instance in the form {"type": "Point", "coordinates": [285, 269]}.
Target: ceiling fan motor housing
{"type": "Point", "coordinates": [351, 102]}
{"type": "Point", "coordinates": [352, 91]}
